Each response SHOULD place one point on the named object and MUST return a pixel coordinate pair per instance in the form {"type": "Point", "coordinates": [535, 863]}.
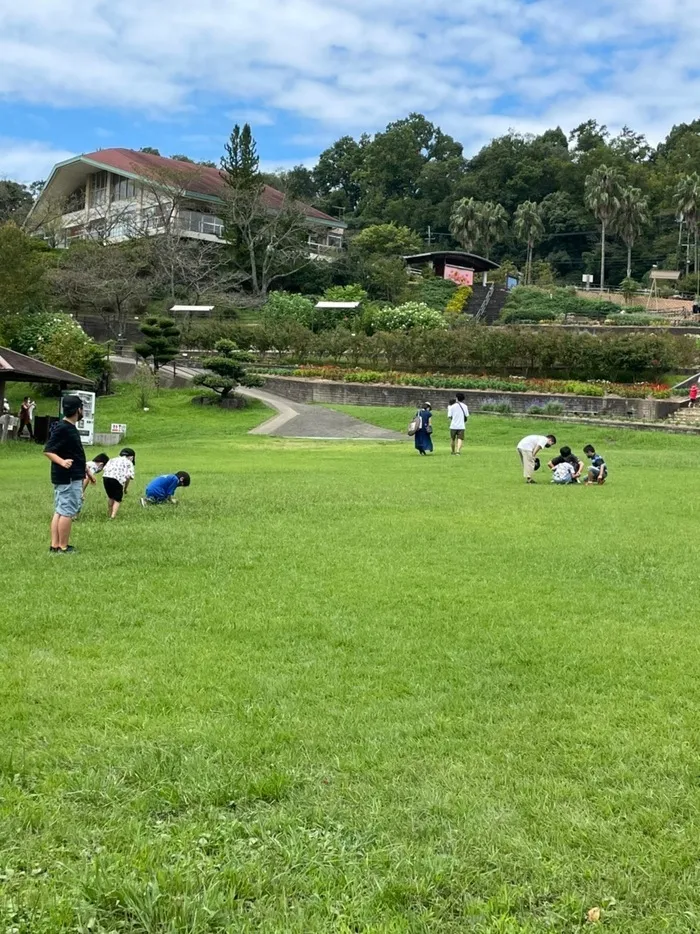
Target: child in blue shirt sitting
{"type": "Point", "coordinates": [162, 489]}
{"type": "Point", "coordinates": [598, 471]}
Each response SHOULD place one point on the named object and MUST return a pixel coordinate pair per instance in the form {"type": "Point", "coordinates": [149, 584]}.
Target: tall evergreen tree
{"type": "Point", "coordinates": [240, 164]}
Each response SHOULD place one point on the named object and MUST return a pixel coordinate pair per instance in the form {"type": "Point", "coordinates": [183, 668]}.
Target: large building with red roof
{"type": "Point", "coordinates": [114, 194]}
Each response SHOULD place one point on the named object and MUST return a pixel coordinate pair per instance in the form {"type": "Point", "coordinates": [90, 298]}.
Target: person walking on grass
{"type": "Point", "coordinates": [68, 470]}
{"type": "Point", "coordinates": [458, 413]}
{"type": "Point", "coordinates": [423, 437]}
{"type": "Point", "coordinates": [529, 448]}
{"type": "Point", "coordinates": [25, 418]}
{"type": "Point", "coordinates": [116, 476]}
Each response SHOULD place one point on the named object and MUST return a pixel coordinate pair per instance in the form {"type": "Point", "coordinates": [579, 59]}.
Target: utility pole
{"type": "Point", "coordinates": [430, 236]}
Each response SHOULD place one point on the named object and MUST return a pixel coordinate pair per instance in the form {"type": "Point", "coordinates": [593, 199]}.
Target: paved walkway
{"type": "Point", "coordinates": [296, 420]}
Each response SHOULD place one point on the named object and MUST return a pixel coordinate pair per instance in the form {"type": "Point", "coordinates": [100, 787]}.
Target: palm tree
{"type": "Point", "coordinates": [631, 218]}
{"type": "Point", "coordinates": [464, 222]}
{"type": "Point", "coordinates": [602, 195]}
{"type": "Point", "coordinates": [529, 227]}
{"type": "Point", "coordinates": [493, 225]}
{"type": "Point", "coordinates": [688, 206]}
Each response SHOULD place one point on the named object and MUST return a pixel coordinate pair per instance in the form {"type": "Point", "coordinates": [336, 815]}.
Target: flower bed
{"type": "Point", "coordinates": [501, 384]}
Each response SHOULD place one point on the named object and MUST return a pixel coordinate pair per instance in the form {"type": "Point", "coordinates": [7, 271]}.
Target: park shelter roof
{"type": "Point", "coordinates": [16, 368]}
{"type": "Point", "coordinates": [458, 258]}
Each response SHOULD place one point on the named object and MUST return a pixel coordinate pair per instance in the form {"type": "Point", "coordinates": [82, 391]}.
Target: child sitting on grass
{"type": "Point", "coordinates": [598, 471]}
{"type": "Point", "coordinates": [93, 467]}
{"type": "Point", "coordinates": [162, 489]}
{"type": "Point", "coordinates": [563, 473]}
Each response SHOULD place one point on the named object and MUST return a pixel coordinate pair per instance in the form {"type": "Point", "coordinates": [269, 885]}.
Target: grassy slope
{"type": "Point", "coordinates": [343, 688]}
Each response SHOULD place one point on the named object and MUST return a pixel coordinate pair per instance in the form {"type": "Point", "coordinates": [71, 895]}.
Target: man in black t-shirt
{"type": "Point", "coordinates": [567, 456]}
{"type": "Point", "coordinates": [65, 451]}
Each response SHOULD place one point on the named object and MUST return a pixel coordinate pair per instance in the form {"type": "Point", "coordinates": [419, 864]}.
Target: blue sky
{"type": "Point", "coordinates": [79, 75]}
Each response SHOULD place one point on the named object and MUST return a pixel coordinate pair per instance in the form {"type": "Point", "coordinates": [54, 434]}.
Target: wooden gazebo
{"type": "Point", "coordinates": [16, 368]}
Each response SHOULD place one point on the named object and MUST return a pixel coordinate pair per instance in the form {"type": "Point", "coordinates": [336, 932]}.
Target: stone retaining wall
{"type": "Point", "coordinates": [335, 393]}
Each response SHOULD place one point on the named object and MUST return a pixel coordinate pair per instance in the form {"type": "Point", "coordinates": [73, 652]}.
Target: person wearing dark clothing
{"type": "Point", "coordinates": [423, 437]}
{"type": "Point", "coordinates": [68, 469]}
{"type": "Point", "coordinates": [566, 456]}
{"type": "Point", "coordinates": [25, 418]}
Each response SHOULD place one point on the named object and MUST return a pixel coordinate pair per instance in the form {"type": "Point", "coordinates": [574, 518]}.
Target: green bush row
{"type": "Point", "coordinates": [495, 351]}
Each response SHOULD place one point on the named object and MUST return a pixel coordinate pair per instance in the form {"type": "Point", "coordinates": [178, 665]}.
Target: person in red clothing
{"type": "Point", "coordinates": [693, 394]}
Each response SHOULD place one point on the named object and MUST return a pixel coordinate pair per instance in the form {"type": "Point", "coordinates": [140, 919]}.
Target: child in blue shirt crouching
{"type": "Point", "coordinates": [162, 489]}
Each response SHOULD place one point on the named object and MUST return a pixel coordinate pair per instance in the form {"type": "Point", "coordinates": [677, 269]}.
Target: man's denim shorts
{"type": "Point", "coordinates": [68, 498]}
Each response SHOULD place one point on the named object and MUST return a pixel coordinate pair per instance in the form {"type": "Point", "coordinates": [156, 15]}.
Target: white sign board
{"type": "Point", "coordinates": [86, 426]}
{"type": "Point", "coordinates": [118, 429]}
{"type": "Point", "coordinates": [587, 278]}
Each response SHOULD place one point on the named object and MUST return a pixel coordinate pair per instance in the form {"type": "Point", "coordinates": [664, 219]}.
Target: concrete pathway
{"type": "Point", "coordinates": [296, 420]}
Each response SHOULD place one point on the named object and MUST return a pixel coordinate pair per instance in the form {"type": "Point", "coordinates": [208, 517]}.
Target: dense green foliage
{"type": "Point", "coordinates": [575, 387]}
{"type": "Point", "coordinates": [412, 174]}
{"type": "Point", "coordinates": [274, 709]}
{"type": "Point", "coordinates": [404, 317]}
{"type": "Point", "coordinates": [551, 351]}
{"type": "Point", "coordinates": [529, 303]}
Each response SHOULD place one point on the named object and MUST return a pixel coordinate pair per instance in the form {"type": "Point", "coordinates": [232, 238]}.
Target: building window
{"type": "Point", "coordinates": [76, 201]}
{"type": "Point", "coordinates": [153, 218]}
{"type": "Point", "coordinates": [98, 188]}
{"type": "Point", "coordinates": [123, 189]}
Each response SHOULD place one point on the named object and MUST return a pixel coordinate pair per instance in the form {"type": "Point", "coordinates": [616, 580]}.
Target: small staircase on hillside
{"type": "Point", "coordinates": [686, 417]}
{"type": "Point", "coordinates": [486, 303]}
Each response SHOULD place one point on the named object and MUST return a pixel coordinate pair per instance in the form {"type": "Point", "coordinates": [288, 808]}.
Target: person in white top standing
{"type": "Point", "coordinates": [529, 448]}
{"type": "Point", "coordinates": [458, 413]}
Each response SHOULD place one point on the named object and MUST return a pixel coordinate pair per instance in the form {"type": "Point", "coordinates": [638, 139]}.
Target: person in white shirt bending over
{"type": "Point", "coordinates": [529, 448]}
{"type": "Point", "coordinates": [458, 413]}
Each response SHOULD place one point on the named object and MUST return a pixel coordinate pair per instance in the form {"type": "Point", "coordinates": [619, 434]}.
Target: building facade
{"type": "Point", "coordinates": [116, 194]}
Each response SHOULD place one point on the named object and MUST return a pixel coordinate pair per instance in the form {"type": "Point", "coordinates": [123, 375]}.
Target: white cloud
{"type": "Point", "coordinates": [482, 66]}
{"type": "Point", "coordinates": [27, 160]}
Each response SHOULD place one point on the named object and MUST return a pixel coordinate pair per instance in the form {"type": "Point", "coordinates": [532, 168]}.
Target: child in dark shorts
{"type": "Point", "coordinates": [116, 476]}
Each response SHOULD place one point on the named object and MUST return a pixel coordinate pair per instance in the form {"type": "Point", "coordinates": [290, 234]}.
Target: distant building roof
{"type": "Point", "coordinates": [200, 179]}
{"type": "Point", "coordinates": [453, 258]}
{"type": "Point", "coordinates": [16, 368]}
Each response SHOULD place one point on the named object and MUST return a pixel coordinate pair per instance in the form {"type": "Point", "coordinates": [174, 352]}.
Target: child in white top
{"type": "Point", "coordinates": [116, 477]}
{"type": "Point", "coordinates": [563, 473]}
{"type": "Point", "coordinates": [93, 467]}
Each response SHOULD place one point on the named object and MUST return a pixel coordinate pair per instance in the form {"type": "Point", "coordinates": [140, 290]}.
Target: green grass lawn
{"type": "Point", "coordinates": [346, 689]}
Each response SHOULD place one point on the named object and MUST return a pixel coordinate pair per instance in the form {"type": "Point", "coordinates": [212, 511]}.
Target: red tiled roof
{"type": "Point", "coordinates": [15, 367]}
{"type": "Point", "coordinates": [201, 179]}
